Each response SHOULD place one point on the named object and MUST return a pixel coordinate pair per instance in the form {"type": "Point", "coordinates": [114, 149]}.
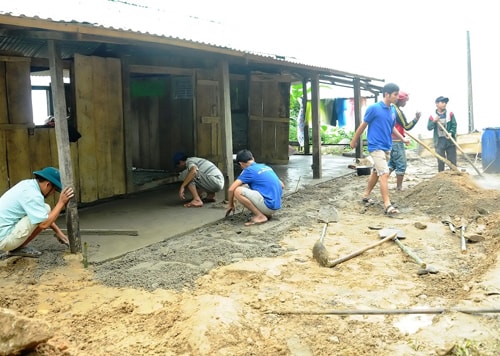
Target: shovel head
{"type": "Point", "coordinates": [390, 230]}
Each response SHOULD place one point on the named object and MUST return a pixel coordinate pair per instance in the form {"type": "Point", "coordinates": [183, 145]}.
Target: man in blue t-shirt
{"type": "Point", "coordinates": [380, 119]}
{"type": "Point", "coordinates": [263, 190]}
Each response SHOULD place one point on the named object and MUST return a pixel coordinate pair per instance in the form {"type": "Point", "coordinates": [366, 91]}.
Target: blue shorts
{"type": "Point", "coordinates": [397, 162]}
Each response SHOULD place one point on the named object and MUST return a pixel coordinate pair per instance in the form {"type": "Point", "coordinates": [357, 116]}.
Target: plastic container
{"type": "Point", "coordinates": [490, 150]}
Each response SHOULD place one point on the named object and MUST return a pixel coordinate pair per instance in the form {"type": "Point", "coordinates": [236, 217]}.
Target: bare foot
{"type": "Point", "coordinates": [256, 221]}
{"type": "Point", "coordinates": [194, 204]}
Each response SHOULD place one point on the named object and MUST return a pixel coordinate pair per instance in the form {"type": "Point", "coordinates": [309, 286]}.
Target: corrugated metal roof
{"type": "Point", "coordinates": [134, 19]}
{"type": "Point", "coordinates": [141, 19]}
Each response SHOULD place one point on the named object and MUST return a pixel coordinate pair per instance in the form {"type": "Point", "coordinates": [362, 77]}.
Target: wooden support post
{"type": "Point", "coordinates": [226, 125]}
{"type": "Point", "coordinates": [316, 127]}
{"type": "Point", "coordinates": [357, 115]}
{"type": "Point", "coordinates": [307, 148]}
{"type": "Point", "coordinates": [63, 149]}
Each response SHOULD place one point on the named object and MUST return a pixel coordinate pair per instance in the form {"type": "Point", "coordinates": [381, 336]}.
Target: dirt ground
{"type": "Point", "coordinates": [227, 289]}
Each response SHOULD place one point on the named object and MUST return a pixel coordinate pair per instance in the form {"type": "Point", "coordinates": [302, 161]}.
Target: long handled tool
{"type": "Point", "coordinates": [326, 215]}
{"type": "Point", "coordinates": [458, 147]}
{"type": "Point", "coordinates": [360, 251]}
{"type": "Point", "coordinates": [320, 253]}
{"type": "Point", "coordinates": [424, 268]}
{"type": "Point", "coordinates": [441, 158]}
{"type": "Point", "coordinates": [462, 236]}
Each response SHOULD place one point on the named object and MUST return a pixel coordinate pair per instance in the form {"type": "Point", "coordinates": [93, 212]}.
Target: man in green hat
{"type": "Point", "coordinates": [24, 213]}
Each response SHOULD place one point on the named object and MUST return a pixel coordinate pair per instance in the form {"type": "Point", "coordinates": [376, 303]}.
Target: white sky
{"type": "Point", "coordinates": [418, 44]}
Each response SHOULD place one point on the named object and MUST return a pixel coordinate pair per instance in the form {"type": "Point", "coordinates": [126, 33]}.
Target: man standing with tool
{"type": "Point", "coordinates": [397, 161]}
{"type": "Point", "coordinates": [380, 119]}
{"type": "Point", "coordinates": [443, 144]}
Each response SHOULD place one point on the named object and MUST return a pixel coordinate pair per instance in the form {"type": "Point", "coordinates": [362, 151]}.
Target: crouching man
{"type": "Point", "coordinates": [258, 188]}
{"type": "Point", "coordinates": [24, 213]}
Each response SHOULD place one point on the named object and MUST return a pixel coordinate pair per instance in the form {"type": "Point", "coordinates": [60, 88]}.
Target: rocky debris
{"type": "Point", "coordinates": [19, 333]}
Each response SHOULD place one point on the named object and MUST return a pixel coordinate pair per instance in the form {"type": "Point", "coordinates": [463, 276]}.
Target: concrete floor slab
{"type": "Point", "coordinates": [158, 214]}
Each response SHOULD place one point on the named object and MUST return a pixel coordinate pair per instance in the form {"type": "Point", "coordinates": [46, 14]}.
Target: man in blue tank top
{"type": "Point", "coordinates": [258, 188]}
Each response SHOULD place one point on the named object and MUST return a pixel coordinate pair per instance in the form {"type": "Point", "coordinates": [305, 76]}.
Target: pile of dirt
{"type": "Point", "coordinates": [453, 194]}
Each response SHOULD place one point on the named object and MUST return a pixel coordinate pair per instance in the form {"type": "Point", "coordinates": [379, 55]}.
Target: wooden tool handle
{"type": "Point", "coordinates": [410, 253]}
{"type": "Point", "coordinates": [441, 158]}
{"type": "Point", "coordinates": [360, 251]}
{"type": "Point", "coordinates": [462, 239]}
{"type": "Point", "coordinates": [458, 147]}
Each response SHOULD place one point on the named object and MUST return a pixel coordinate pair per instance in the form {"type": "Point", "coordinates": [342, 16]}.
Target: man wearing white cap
{"type": "Point", "coordinates": [24, 213]}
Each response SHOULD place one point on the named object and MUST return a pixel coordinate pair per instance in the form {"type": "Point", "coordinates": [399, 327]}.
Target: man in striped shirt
{"type": "Point", "coordinates": [199, 176]}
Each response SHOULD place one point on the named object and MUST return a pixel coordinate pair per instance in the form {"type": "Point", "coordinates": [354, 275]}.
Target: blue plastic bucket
{"type": "Point", "coordinates": [490, 149]}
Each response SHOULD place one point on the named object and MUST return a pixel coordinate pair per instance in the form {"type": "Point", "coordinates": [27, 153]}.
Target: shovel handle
{"type": "Point", "coordinates": [441, 158]}
{"type": "Point", "coordinates": [410, 253]}
{"type": "Point", "coordinates": [458, 147]}
{"type": "Point", "coordinates": [360, 251]}
{"type": "Point", "coordinates": [462, 239]}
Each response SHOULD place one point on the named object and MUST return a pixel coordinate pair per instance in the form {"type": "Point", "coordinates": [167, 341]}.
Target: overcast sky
{"type": "Point", "coordinates": [418, 44]}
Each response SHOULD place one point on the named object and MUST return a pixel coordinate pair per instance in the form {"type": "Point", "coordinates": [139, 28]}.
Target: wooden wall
{"type": "Point", "coordinates": [99, 113]}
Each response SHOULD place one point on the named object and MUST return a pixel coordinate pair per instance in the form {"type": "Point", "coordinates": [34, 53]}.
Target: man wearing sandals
{"type": "Point", "coordinates": [198, 175]}
{"type": "Point", "coordinates": [380, 119]}
{"type": "Point", "coordinates": [257, 187]}
{"type": "Point", "coordinates": [24, 213]}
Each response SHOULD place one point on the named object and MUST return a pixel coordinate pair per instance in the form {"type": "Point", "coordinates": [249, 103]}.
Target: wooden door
{"type": "Point", "coordinates": [208, 118]}
{"type": "Point", "coordinates": [269, 111]}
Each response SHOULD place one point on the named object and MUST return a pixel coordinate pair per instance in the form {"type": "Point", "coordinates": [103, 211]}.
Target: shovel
{"type": "Point", "coordinates": [326, 216]}
{"type": "Point", "coordinates": [324, 261]}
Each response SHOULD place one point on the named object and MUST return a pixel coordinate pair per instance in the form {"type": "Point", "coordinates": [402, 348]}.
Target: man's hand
{"type": "Point", "coordinates": [66, 194]}
{"type": "Point", "coordinates": [229, 210]}
{"type": "Point", "coordinates": [63, 239]}
{"type": "Point", "coordinates": [406, 141]}
{"type": "Point", "coordinates": [181, 193]}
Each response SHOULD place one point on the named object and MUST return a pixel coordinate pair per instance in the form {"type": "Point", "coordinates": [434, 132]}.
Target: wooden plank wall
{"type": "Point", "coordinates": [208, 120]}
{"type": "Point", "coordinates": [4, 116]}
{"type": "Point", "coordinates": [15, 117]}
{"type": "Point", "coordinates": [100, 121]}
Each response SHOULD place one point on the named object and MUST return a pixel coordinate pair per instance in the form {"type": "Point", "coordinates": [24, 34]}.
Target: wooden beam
{"type": "Point", "coordinates": [63, 149]}
{"type": "Point", "coordinates": [357, 115]}
{"type": "Point", "coordinates": [98, 232]}
{"type": "Point", "coordinates": [316, 132]}
{"type": "Point", "coordinates": [226, 124]}
{"type": "Point", "coordinates": [144, 69]}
